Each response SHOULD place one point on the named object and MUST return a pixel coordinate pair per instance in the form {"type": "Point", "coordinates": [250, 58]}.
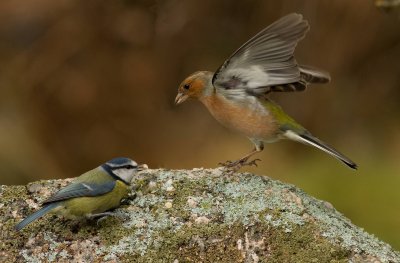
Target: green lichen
{"type": "Point", "coordinates": [10, 199]}
{"type": "Point", "coordinates": [221, 243]}
{"type": "Point", "coordinates": [191, 216]}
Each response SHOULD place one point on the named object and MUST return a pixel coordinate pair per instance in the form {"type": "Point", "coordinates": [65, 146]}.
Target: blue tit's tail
{"type": "Point", "coordinates": [307, 138]}
{"type": "Point", "coordinates": [44, 210]}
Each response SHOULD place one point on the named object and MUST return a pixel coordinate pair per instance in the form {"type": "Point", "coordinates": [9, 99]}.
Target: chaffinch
{"type": "Point", "coordinates": [236, 94]}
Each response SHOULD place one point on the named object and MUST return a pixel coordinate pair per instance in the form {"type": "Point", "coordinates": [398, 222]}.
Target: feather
{"type": "Point", "coordinates": [313, 75]}
{"type": "Point", "coordinates": [82, 189]}
{"type": "Point", "coordinates": [44, 210]}
{"type": "Point", "coordinates": [307, 138]}
{"type": "Point", "coordinates": [265, 60]}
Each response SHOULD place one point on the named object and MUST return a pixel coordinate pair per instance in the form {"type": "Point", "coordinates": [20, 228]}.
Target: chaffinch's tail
{"type": "Point", "coordinates": [312, 75]}
{"type": "Point", "coordinates": [307, 138]}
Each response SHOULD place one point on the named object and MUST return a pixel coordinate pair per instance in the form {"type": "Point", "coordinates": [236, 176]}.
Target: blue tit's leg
{"type": "Point", "coordinates": [104, 215]}
{"type": "Point", "coordinates": [131, 196]}
{"type": "Point", "coordinates": [100, 215]}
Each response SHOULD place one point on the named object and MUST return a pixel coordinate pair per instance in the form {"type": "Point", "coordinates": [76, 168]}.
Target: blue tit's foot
{"type": "Point", "coordinates": [102, 216]}
{"type": "Point", "coordinates": [127, 201]}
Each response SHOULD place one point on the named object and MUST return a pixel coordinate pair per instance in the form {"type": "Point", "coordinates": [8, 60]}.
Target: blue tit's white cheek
{"type": "Point", "coordinates": [125, 174]}
{"type": "Point", "coordinates": [134, 164]}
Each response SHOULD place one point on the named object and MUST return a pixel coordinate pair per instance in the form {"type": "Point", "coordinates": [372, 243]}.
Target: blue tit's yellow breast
{"type": "Point", "coordinates": [82, 206]}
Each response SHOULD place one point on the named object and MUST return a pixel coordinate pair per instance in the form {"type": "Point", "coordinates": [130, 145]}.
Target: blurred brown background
{"type": "Point", "coordinates": [82, 82]}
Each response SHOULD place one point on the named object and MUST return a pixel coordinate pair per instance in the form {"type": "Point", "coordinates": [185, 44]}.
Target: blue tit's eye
{"type": "Point", "coordinates": [186, 86]}
{"type": "Point", "coordinates": [128, 166]}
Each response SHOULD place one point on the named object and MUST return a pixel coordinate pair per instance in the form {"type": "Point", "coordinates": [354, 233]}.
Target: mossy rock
{"type": "Point", "coordinates": [201, 215]}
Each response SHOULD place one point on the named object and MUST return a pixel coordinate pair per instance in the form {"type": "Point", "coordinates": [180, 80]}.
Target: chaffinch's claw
{"type": "Point", "coordinates": [226, 164]}
{"type": "Point", "coordinates": [253, 162]}
{"type": "Point", "coordinates": [234, 166]}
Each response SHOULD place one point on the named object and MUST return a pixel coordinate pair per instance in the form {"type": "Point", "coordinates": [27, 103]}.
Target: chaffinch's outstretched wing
{"type": "Point", "coordinates": [266, 63]}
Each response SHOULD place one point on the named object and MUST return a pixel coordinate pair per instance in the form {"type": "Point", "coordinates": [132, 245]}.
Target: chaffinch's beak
{"type": "Point", "coordinates": [142, 167]}
{"type": "Point", "coordinates": [180, 98]}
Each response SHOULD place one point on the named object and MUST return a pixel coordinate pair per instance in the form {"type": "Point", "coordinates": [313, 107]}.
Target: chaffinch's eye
{"type": "Point", "coordinates": [186, 86]}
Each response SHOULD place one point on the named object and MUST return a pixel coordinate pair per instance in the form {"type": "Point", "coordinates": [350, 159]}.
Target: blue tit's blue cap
{"type": "Point", "coordinates": [121, 161]}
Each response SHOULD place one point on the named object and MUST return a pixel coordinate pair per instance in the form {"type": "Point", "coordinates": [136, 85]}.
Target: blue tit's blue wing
{"type": "Point", "coordinates": [82, 189]}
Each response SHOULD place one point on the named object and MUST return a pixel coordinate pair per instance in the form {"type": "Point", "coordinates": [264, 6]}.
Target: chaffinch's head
{"type": "Point", "coordinates": [193, 86]}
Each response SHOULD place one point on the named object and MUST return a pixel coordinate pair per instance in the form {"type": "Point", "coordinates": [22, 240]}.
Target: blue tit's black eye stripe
{"type": "Point", "coordinates": [128, 166]}
{"type": "Point", "coordinates": [110, 169]}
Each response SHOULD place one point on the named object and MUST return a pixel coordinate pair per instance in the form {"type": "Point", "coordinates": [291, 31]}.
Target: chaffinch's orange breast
{"type": "Point", "coordinates": [251, 119]}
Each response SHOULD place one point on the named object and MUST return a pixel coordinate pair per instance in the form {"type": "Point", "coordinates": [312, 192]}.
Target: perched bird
{"type": "Point", "coordinates": [92, 193]}
{"type": "Point", "coordinates": [236, 93]}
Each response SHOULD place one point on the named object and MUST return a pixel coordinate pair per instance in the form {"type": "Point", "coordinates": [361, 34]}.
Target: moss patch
{"type": "Point", "coordinates": [235, 243]}
{"type": "Point", "coordinates": [12, 202]}
{"type": "Point", "coordinates": [190, 216]}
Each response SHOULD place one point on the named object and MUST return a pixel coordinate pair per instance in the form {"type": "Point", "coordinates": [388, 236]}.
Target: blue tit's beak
{"type": "Point", "coordinates": [142, 167]}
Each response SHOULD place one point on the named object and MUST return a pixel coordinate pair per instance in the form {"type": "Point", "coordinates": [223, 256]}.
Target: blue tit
{"type": "Point", "coordinates": [94, 192]}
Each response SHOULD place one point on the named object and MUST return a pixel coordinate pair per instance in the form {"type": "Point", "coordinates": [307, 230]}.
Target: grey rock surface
{"type": "Point", "coordinates": [199, 215]}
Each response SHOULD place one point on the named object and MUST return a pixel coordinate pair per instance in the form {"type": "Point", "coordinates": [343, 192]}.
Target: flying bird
{"type": "Point", "coordinates": [236, 93]}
